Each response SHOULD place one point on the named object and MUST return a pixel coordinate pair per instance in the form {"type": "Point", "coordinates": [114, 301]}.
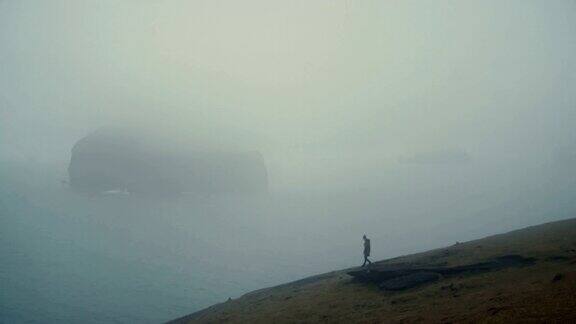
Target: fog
{"type": "Point", "coordinates": [417, 123]}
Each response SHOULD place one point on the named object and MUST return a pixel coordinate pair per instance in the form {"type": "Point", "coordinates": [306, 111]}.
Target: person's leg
{"type": "Point", "coordinates": [365, 259]}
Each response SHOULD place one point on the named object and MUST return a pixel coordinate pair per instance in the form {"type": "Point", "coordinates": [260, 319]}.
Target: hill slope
{"type": "Point", "coordinates": [543, 290]}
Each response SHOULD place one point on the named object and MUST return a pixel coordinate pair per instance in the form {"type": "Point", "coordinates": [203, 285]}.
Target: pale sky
{"type": "Point", "coordinates": [399, 76]}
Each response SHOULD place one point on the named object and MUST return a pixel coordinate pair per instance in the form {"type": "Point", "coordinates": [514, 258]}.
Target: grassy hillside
{"type": "Point", "coordinates": [543, 291]}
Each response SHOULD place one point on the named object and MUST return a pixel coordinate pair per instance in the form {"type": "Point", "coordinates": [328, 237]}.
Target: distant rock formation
{"type": "Point", "coordinates": [115, 159]}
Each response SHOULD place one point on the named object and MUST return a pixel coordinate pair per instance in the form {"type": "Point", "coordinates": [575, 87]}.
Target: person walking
{"type": "Point", "coordinates": [366, 250]}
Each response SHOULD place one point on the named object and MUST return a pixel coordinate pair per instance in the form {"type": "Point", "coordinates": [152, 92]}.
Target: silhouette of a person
{"type": "Point", "coordinates": [366, 250]}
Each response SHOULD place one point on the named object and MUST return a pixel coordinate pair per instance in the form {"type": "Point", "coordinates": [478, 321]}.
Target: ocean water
{"type": "Point", "coordinates": [71, 258]}
{"type": "Point", "coordinates": [67, 258]}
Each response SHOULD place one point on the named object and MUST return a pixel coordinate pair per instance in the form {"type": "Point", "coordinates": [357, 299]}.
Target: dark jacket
{"type": "Point", "coordinates": [366, 247]}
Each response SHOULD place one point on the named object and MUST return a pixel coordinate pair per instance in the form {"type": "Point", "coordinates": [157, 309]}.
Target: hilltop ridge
{"type": "Point", "coordinates": [540, 289]}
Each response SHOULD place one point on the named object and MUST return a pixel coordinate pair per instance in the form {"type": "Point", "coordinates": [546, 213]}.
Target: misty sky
{"type": "Point", "coordinates": [494, 78]}
{"type": "Point", "coordinates": [417, 123]}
